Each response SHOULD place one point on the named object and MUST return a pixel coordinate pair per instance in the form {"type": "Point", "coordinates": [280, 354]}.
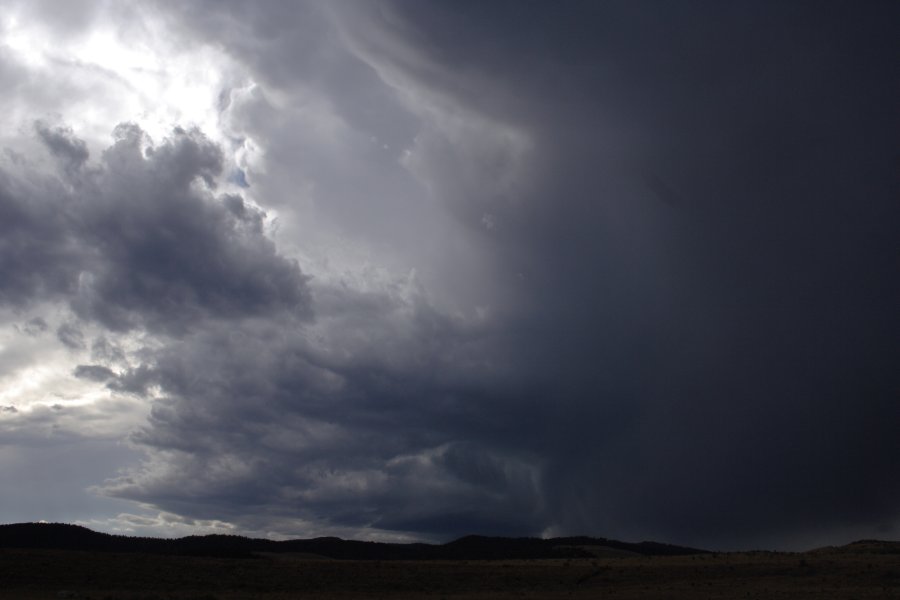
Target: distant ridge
{"type": "Point", "coordinates": [61, 536]}
{"type": "Point", "coordinates": [861, 547]}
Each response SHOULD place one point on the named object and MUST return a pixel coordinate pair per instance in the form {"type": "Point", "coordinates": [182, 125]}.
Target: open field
{"type": "Point", "coordinates": [53, 574]}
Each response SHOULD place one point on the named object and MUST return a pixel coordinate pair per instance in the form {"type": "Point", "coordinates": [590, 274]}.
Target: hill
{"type": "Point", "coordinates": [61, 536]}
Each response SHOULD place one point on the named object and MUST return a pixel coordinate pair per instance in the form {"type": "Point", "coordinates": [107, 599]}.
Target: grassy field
{"type": "Point", "coordinates": [33, 574]}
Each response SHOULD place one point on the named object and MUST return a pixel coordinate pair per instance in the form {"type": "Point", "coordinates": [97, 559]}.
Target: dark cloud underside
{"type": "Point", "coordinates": [652, 286]}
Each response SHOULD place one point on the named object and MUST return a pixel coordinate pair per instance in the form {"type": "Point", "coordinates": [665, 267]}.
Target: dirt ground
{"type": "Point", "coordinates": [44, 574]}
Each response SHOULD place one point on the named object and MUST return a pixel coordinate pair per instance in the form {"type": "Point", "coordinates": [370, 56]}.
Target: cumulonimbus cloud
{"type": "Point", "coordinates": [580, 269]}
{"type": "Point", "coordinates": [140, 239]}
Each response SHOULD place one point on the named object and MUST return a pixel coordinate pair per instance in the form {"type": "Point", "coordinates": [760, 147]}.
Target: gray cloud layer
{"type": "Point", "coordinates": [654, 292]}
{"type": "Point", "coordinates": [138, 241]}
{"type": "Point", "coordinates": [727, 348]}
{"type": "Point", "coordinates": [388, 437]}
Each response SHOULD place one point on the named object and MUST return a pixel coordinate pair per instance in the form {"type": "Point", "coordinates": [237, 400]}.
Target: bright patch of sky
{"type": "Point", "coordinates": [124, 72]}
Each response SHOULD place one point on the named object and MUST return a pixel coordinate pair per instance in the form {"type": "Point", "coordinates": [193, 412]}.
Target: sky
{"type": "Point", "coordinates": [415, 269]}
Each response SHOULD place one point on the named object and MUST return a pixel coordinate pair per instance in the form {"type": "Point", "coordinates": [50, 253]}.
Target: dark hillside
{"type": "Point", "coordinates": [59, 536]}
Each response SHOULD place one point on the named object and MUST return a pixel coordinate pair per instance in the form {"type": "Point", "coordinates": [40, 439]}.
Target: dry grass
{"type": "Point", "coordinates": [34, 574]}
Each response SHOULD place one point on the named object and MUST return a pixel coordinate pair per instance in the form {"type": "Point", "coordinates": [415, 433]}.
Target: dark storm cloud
{"type": "Point", "coordinates": [136, 241]}
{"type": "Point", "coordinates": [688, 215]}
{"type": "Point", "coordinates": [728, 354]}
{"type": "Point", "coordinates": [343, 432]}
{"type": "Point", "coordinates": [37, 257]}
{"type": "Point", "coordinates": [678, 222]}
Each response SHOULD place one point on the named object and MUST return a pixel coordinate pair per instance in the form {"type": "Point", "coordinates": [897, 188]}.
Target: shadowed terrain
{"type": "Point", "coordinates": [868, 569]}
{"type": "Point", "coordinates": [61, 536]}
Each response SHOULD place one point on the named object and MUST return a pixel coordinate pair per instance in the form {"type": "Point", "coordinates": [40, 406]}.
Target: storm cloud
{"type": "Point", "coordinates": [518, 268]}
{"type": "Point", "coordinates": [141, 240]}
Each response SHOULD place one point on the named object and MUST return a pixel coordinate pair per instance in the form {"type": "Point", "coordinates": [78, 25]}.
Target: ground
{"type": "Point", "coordinates": [34, 574]}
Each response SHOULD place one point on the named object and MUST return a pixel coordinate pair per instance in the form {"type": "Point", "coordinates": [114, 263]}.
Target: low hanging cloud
{"type": "Point", "coordinates": [362, 431]}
